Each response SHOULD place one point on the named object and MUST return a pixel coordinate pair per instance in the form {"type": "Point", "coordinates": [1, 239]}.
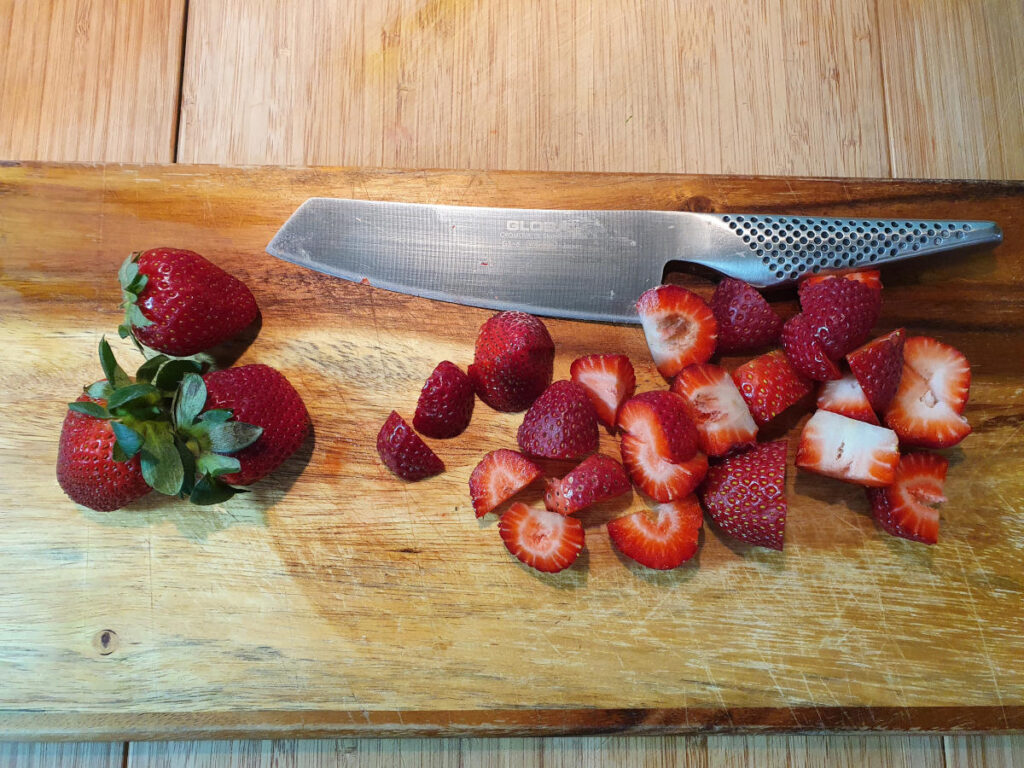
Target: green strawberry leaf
{"type": "Point", "coordinates": [215, 416]}
{"type": "Point", "coordinates": [95, 410]}
{"type": "Point", "coordinates": [128, 440]}
{"type": "Point", "coordinates": [137, 285]}
{"type": "Point", "coordinates": [99, 391]}
{"type": "Point", "coordinates": [210, 490]}
{"type": "Point", "coordinates": [124, 330]}
{"type": "Point", "coordinates": [214, 464]}
{"type": "Point", "coordinates": [171, 374]}
{"type": "Point", "coordinates": [188, 463]}
{"type": "Point", "coordinates": [189, 399]}
{"type": "Point", "coordinates": [114, 373]}
{"type": "Point", "coordinates": [147, 371]}
{"type": "Point", "coordinates": [118, 454]}
{"type": "Point", "coordinates": [162, 467]}
{"type": "Point", "coordinates": [232, 436]}
{"type": "Point", "coordinates": [132, 393]}
{"type": "Point", "coordinates": [135, 318]}
{"type": "Point", "coordinates": [128, 271]}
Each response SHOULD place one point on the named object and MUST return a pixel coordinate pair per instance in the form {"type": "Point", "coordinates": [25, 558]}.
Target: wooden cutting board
{"type": "Point", "coordinates": [335, 599]}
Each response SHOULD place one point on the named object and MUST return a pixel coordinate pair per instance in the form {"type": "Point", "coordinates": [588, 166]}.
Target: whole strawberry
{"type": "Point", "coordinates": [513, 362]}
{"type": "Point", "coordinates": [86, 469]}
{"type": "Point", "coordinates": [178, 303]}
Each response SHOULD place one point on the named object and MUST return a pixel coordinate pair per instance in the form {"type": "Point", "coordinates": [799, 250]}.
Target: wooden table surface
{"type": "Point", "coordinates": [889, 88]}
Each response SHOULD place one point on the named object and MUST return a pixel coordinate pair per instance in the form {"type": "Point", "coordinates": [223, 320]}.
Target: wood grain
{"type": "Point", "coordinates": [334, 600]}
{"type": "Point", "coordinates": [752, 87]}
{"type": "Point", "coordinates": [81, 755]}
{"type": "Point", "coordinates": [82, 80]}
{"type": "Point", "coordinates": [954, 91]}
{"type": "Point", "coordinates": [992, 751]}
{"type": "Point", "coordinates": [892, 751]}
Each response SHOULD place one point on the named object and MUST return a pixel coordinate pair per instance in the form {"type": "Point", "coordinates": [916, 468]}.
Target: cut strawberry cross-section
{"type": "Point", "coordinates": [716, 407]}
{"type": "Point", "coordinates": [844, 448]}
{"type": "Point", "coordinates": [905, 508]}
{"type": "Point", "coordinates": [498, 477]}
{"type": "Point", "coordinates": [679, 326]}
{"type": "Point", "coordinates": [663, 537]}
{"type": "Point", "coordinates": [541, 539]}
{"type": "Point", "coordinates": [609, 381]}
{"type": "Point", "coordinates": [846, 397]}
{"type": "Point", "coordinates": [658, 477]}
{"type": "Point", "coordinates": [660, 419]}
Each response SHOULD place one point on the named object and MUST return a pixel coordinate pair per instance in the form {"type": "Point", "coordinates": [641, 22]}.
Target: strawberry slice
{"type": "Point", "coordinates": [745, 495]}
{"type": "Point", "coordinates": [609, 381]}
{"type": "Point", "coordinates": [846, 397]}
{"type": "Point", "coordinates": [498, 477]}
{"type": "Point", "coordinates": [679, 326]}
{"type": "Point", "coordinates": [919, 419]}
{"type": "Point", "coordinates": [716, 407]}
{"type": "Point", "coordinates": [655, 475]}
{"type": "Point", "coordinates": [872, 278]}
{"type": "Point", "coordinates": [943, 367]}
{"type": "Point", "coordinates": [746, 321]}
{"type": "Point", "coordinates": [844, 448]}
{"type": "Point", "coordinates": [541, 539]}
{"type": "Point", "coordinates": [561, 423]}
{"type": "Point", "coordinates": [660, 419]}
{"type": "Point", "coordinates": [597, 478]}
{"type": "Point", "coordinates": [805, 352]}
{"type": "Point", "coordinates": [663, 538]}
{"type": "Point", "coordinates": [445, 405]}
{"type": "Point", "coordinates": [877, 366]}
{"type": "Point", "coordinates": [404, 452]}
{"type": "Point", "coordinates": [905, 508]}
{"type": "Point", "coordinates": [770, 384]}
{"type": "Point", "coordinates": [841, 313]}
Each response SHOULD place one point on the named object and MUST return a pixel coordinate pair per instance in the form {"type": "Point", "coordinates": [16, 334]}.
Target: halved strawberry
{"type": "Point", "coordinates": [841, 313]}
{"type": "Point", "coordinates": [746, 321]}
{"type": "Point", "coordinates": [513, 361]}
{"type": "Point", "coordinates": [847, 449]}
{"type": "Point", "coordinates": [846, 397]}
{"type": "Point", "coordinates": [663, 538]}
{"type": "Point", "coordinates": [541, 539]}
{"type": "Point", "coordinates": [498, 477]}
{"type": "Point", "coordinates": [716, 408]}
{"type": "Point", "coordinates": [745, 494]}
{"type": "Point", "coordinates": [679, 326]}
{"type": "Point", "coordinates": [905, 508]}
{"type": "Point", "coordinates": [805, 352]}
{"type": "Point", "coordinates": [877, 366]}
{"type": "Point", "coordinates": [609, 381]}
{"type": "Point", "coordinates": [445, 405]}
{"type": "Point", "coordinates": [659, 418]}
{"type": "Point", "coordinates": [561, 423]}
{"type": "Point", "coordinates": [597, 478]}
{"type": "Point", "coordinates": [770, 384]}
{"type": "Point", "coordinates": [872, 278]}
{"type": "Point", "coordinates": [404, 452]}
{"type": "Point", "coordinates": [655, 475]}
{"type": "Point", "coordinates": [944, 368]}
{"type": "Point", "coordinates": [919, 419]}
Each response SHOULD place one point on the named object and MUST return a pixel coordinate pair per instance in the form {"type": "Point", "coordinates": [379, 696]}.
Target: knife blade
{"type": "Point", "coordinates": [587, 265]}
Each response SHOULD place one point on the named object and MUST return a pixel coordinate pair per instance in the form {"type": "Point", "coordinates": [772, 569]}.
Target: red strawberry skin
{"type": "Point", "coordinates": [659, 478]}
{"type": "Point", "coordinates": [561, 423]}
{"type": "Point", "coordinates": [745, 495]}
{"type": "Point", "coordinates": [194, 304]}
{"type": "Point", "coordinates": [805, 352]}
{"type": "Point", "coordinates": [513, 362]}
{"type": "Point", "coordinates": [445, 406]}
{"type": "Point", "coordinates": [903, 508]}
{"type": "Point", "coordinates": [261, 395]}
{"type": "Point", "coordinates": [404, 452]}
{"type": "Point", "coordinates": [746, 321]}
{"type": "Point", "coordinates": [679, 326]}
{"type": "Point", "coordinates": [841, 313]}
{"type": "Point", "coordinates": [770, 384]}
{"type": "Point", "coordinates": [660, 418]}
{"type": "Point", "coordinates": [870, 277]}
{"type": "Point", "coordinates": [598, 478]}
{"type": "Point", "coordinates": [609, 380]}
{"type": "Point", "coordinates": [877, 366]}
{"type": "Point", "coordinates": [919, 418]}
{"type": "Point", "coordinates": [498, 477]}
{"type": "Point", "coordinates": [541, 539]}
{"type": "Point", "coordinates": [663, 539]}
{"type": "Point", "coordinates": [86, 470]}
{"type": "Point", "coordinates": [846, 397]}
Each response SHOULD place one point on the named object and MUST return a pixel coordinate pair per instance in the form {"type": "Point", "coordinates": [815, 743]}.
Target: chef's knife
{"type": "Point", "coordinates": [588, 265]}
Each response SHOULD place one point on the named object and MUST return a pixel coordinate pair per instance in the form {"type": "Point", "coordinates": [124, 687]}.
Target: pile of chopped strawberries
{"type": "Point", "coordinates": [691, 449]}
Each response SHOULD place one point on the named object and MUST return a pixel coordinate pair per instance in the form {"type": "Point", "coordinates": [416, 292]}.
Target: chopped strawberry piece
{"type": "Point", "coordinates": [541, 539]}
{"type": "Point", "coordinates": [905, 508]}
{"type": "Point", "coordinates": [872, 278]}
{"type": "Point", "coordinates": [877, 366]}
{"type": "Point", "coordinates": [745, 495]}
{"type": "Point", "coordinates": [919, 419]}
{"type": "Point", "coordinates": [805, 352]}
{"type": "Point", "coordinates": [446, 402]}
{"type": "Point", "coordinates": [658, 477]}
{"type": "Point", "coordinates": [498, 477]}
{"type": "Point", "coordinates": [716, 407]}
{"type": "Point", "coordinates": [663, 538]}
{"type": "Point", "coordinates": [943, 367]}
{"type": "Point", "coordinates": [770, 384]}
{"type": "Point", "coordinates": [847, 449]}
{"type": "Point", "coordinates": [609, 381]}
{"type": "Point", "coordinates": [841, 313]}
{"type": "Point", "coordinates": [513, 361]}
{"type": "Point", "coordinates": [660, 419]}
{"type": "Point", "coordinates": [598, 478]}
{"type": "Point", "coordinates": [680, 328]}
{"type": "Point", "coordinates": [746, 321]}
{"type": "Point", "coordinates": [404, 452]}
{"type": "Point", "coordinates": [846, 397]}
{"type": "Point", "coordinates": [561, 423]}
